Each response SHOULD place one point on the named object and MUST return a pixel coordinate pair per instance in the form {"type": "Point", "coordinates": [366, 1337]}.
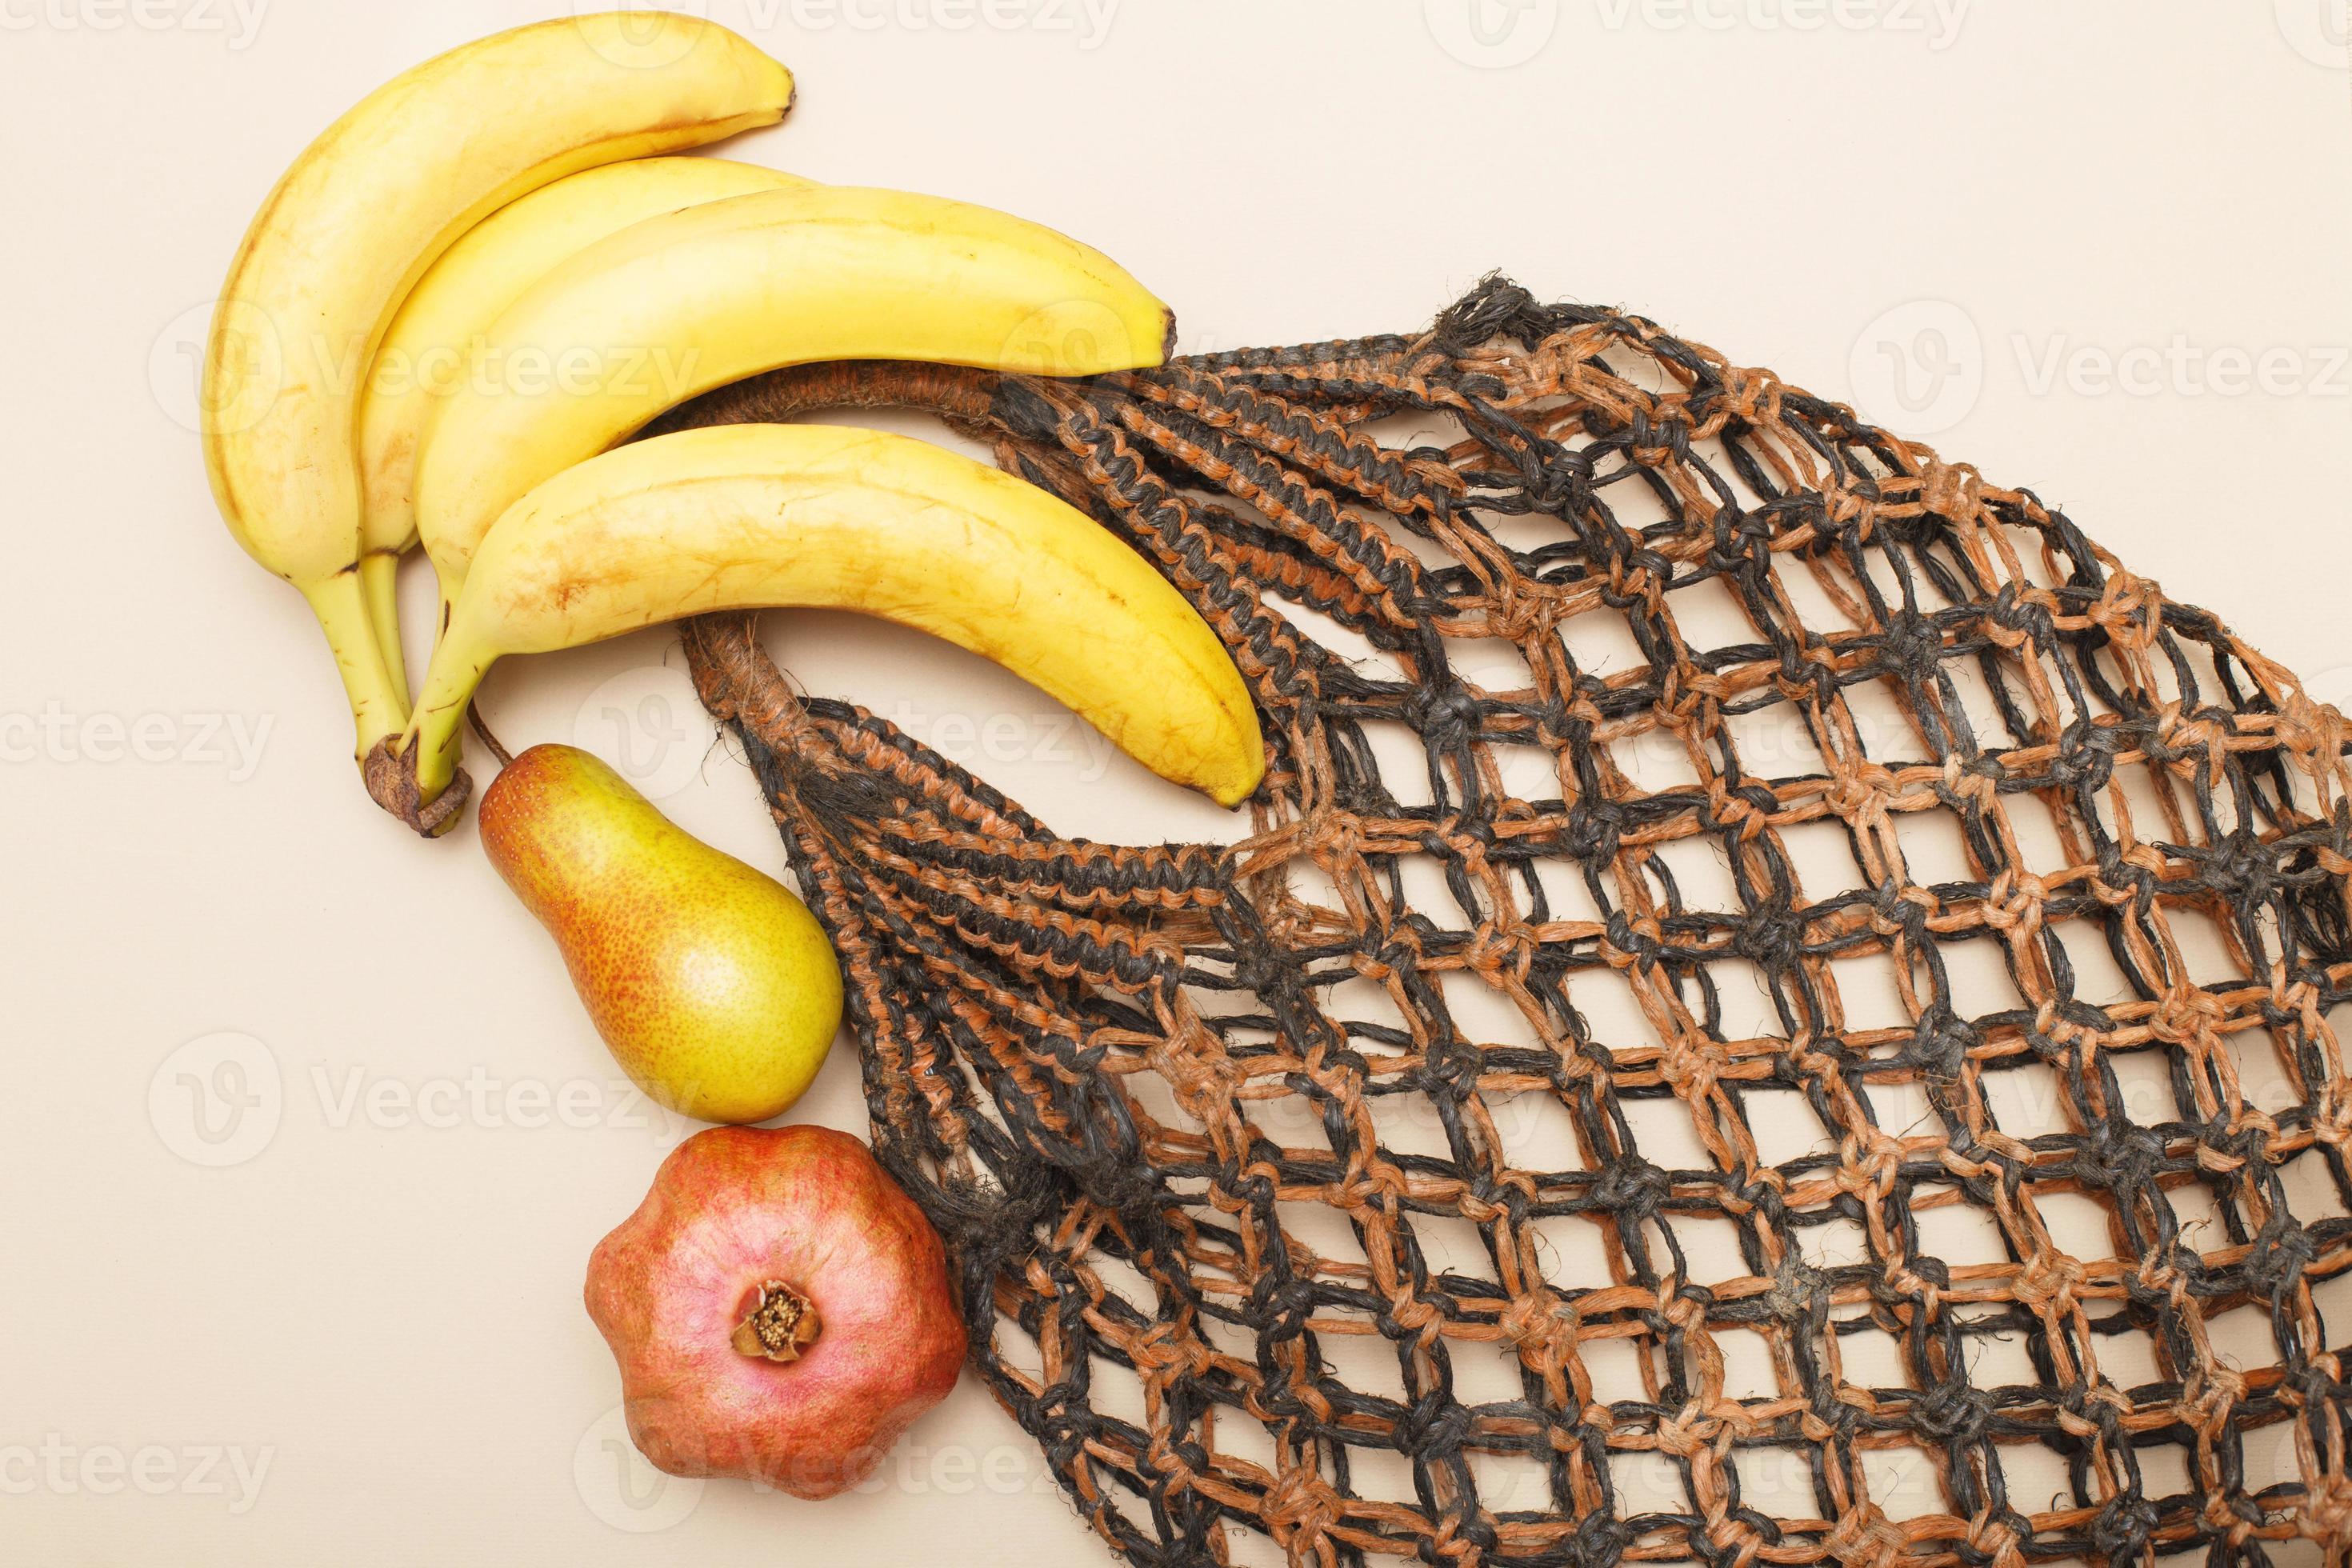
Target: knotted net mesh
{"type": "Point", "coordinates": [1778, 1004]}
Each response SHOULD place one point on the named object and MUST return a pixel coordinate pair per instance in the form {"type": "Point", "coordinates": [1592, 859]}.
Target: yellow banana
{"type": "Point", "coordinates": [365, 210]}
{"type": "Point", "coordinates": [750, 516]}
{"type": "Point", "coordinates": [431, 346]}
{"type": "Point", "coordinates": [675, 305]}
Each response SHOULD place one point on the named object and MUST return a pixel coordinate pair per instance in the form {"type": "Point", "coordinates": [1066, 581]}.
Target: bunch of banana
{"type": "Point", "coordinates": [361, 215]}
{"type": "Point", "coordinates": [525, 297]}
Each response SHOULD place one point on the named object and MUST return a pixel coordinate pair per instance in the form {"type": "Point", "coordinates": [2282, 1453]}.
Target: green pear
{"type": "Point", "coordinates": [713, 985]}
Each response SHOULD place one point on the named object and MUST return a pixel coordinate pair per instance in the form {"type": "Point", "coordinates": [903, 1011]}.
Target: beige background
{"type": "Point", "coordinates": [307, 1140]}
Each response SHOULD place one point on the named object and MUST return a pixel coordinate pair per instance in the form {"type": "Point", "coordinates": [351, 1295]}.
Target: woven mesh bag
{"type": "Point", "coordinates": [1778, 1004]}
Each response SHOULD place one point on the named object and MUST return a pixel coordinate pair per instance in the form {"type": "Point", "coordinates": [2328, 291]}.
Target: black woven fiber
{"type": "Point", "coordinates": [1777, 1006]}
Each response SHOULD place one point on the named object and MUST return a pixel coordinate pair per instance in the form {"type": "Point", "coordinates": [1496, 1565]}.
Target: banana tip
{"type": "Point", "coordinates": [1236, 786]}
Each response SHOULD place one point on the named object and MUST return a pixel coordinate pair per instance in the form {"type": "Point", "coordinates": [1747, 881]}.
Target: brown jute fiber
{"type": "Point", "coordinates": [1776, 1005]}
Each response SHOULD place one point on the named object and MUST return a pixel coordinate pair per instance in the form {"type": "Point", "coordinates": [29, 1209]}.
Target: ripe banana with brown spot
{"type": "Point", "coordinates": [363, 212]}
{"type": "Point", "coordinates": [755, 516]}
{"type": "Point", "coordinates": [676, 305]}
{"type": "Point", "coordinates": [437, 341]}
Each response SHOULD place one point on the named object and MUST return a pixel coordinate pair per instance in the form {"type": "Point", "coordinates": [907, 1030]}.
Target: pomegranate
{"type": "Point", "coordinates": [778, 1308]}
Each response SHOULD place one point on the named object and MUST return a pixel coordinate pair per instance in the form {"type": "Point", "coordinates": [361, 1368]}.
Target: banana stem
{"type": "Point", "coordinates": [378, 710]}
{"type": "Point", "coordinates": [435, 736]}
{"type": "Point", "coordinates": [379, 582]}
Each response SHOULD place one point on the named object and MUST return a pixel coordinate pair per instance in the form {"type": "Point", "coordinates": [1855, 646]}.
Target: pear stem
{"type": "Point", "coordinates": [497, 749]}
{"type": "Point", "coordinates": [781, 1324]}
